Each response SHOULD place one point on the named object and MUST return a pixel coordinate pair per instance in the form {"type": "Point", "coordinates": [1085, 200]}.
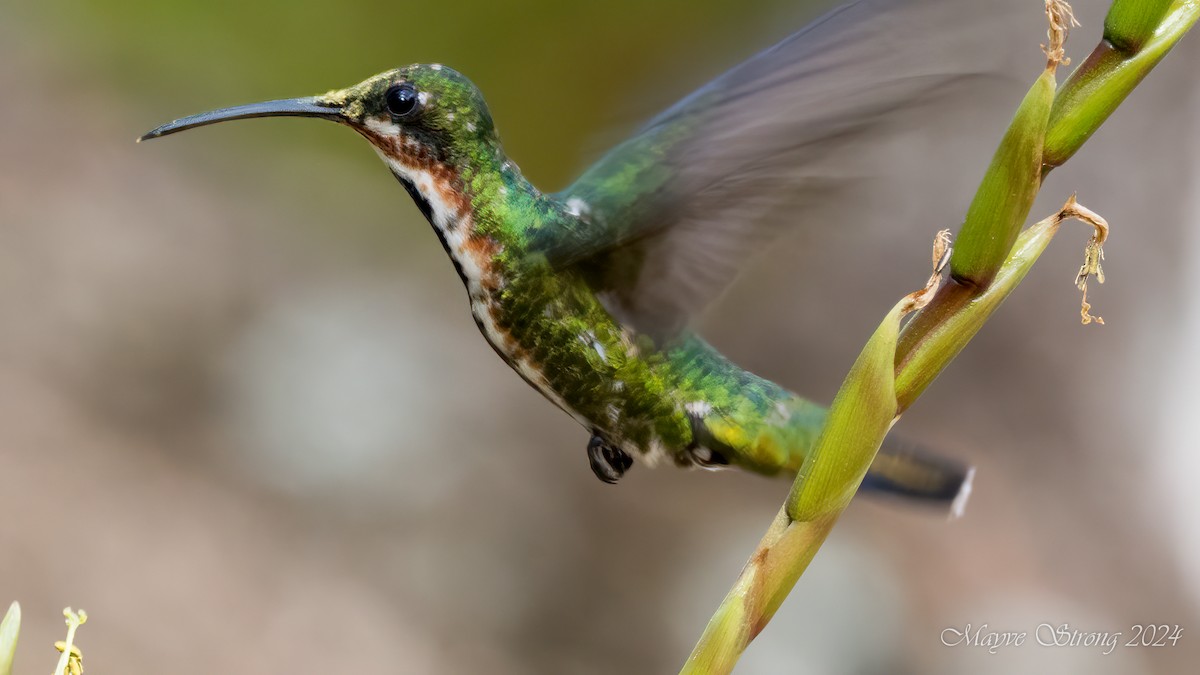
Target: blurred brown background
{"type": "Point", "coordinates": [247, 423]}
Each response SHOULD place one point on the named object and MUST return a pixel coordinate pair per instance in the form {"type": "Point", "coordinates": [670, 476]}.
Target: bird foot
{"type": "Point", "coordinates": [608, 461]}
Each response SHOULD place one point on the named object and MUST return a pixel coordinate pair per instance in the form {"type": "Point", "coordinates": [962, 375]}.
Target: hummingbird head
{"type": "Point", "coordinates": [419, 117]}
{"type": "Point", "coordinates": [428, 122]}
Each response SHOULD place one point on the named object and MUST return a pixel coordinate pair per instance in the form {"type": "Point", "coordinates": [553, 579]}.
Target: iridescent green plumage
{"type": "Point", "coordinates": [588, 293]}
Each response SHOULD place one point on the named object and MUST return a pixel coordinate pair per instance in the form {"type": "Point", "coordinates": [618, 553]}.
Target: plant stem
{"type": "Point", "coordinates": [992, 256]}
{"type": "Point", "coordinates": [1137, 35]}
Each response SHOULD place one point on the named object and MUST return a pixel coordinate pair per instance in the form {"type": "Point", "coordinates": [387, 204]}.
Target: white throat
{"type": "Point", "coordinates": [443, 214]}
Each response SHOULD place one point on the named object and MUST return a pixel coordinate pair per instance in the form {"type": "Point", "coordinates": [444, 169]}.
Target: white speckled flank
{"type": "Point", "coordinates": [589, 339]}
{"type": "Point", "coordinates": [577, 207]}
{"type": "Point", "coordinates": [455, 226]}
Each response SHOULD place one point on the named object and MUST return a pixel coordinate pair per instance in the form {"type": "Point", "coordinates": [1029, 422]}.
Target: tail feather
{"type": "Point", "coordinates": [909, 470]}
{"type": "Point", "coordinates": [759, 426]}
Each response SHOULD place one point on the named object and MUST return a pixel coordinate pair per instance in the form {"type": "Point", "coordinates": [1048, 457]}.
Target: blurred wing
{"type": "Point", "coordinates": [671, 214]}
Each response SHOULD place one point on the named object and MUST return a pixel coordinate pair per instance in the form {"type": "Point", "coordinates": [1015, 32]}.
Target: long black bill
{"type": "Point", "coordinates": [309, 106]}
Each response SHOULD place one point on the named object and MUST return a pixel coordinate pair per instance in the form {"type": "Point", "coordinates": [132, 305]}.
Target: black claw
{"type": "Point", "coordinates": [706, 458]}
{"type": "Point", "coordinates": [608, 461]}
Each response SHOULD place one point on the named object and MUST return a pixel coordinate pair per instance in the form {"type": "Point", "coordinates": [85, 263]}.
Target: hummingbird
{"type": "Point", "coordinates": [589, 293]}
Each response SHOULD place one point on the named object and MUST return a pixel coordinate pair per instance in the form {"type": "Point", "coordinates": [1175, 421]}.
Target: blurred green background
{"type": "Point", "coordinates": [247, 422]}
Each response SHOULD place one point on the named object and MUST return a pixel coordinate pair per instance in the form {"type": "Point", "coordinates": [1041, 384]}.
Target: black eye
{"type": "Point", "coordinates": [401, 99]}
